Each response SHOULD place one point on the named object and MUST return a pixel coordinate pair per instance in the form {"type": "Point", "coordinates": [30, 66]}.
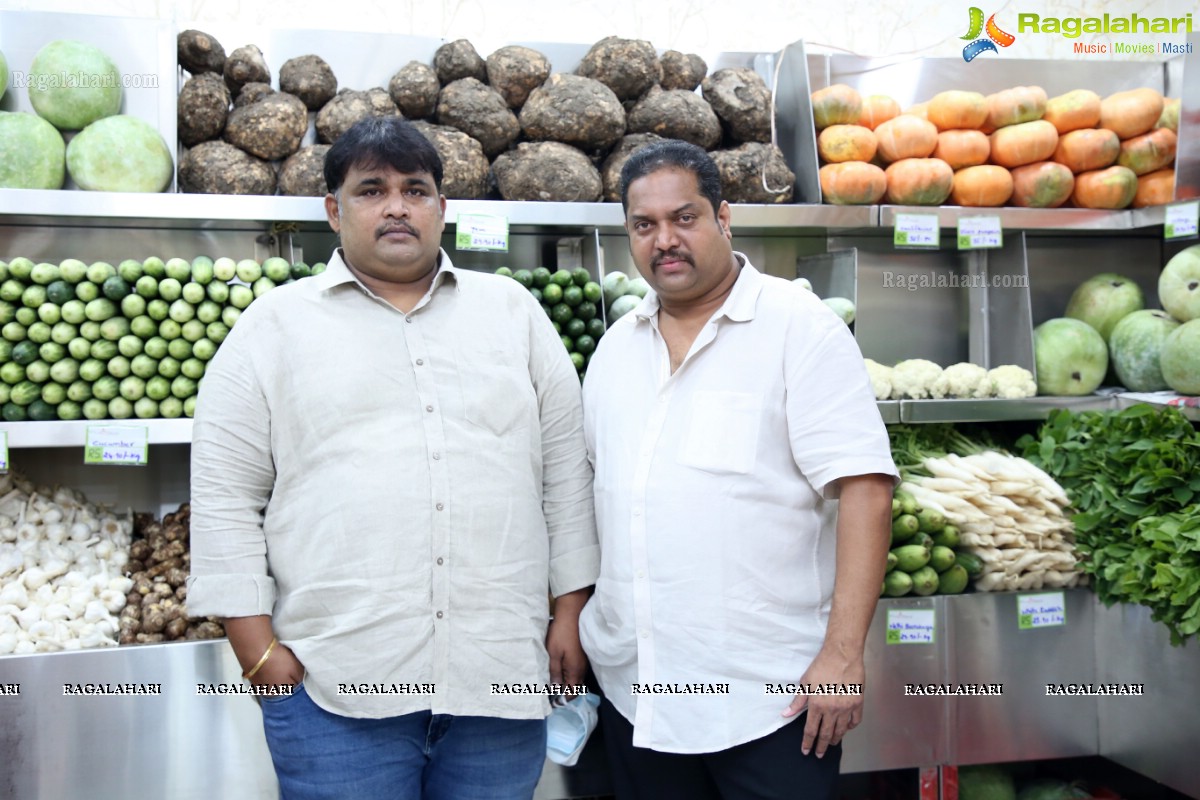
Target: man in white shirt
{"type": "Point", "coordinates": [388, 471]}
{"type": "Point", "coordinates": [724, 416]}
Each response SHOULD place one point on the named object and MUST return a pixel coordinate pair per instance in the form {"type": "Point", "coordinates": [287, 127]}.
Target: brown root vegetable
{"type": "Point", "coordinates": [549, 171]}
{"type": "Point", "coordinates": [220, 168]}
{"type": "Point", "coordinates": [742, 102]}
{"type": "Point", "coordinates": [154, 621]}
{"type": "Point", "coordinates": [414, 89]}
{"type": "Point", "coordinates": [627, 66]}
{"type": "Point", "coordinates": [127, 636]}
{"type": "Point", "coordinates": [251, 93]}
{"type": "Point", "coordinates": [676, 114]}
{"type": "Point", "coordinates": [133, 600]}
{"type": "Point", "coordinates": [199, 52]}
{"type": "Point", "coordinates": [456, 60]}
{"type": "Point", "coordinates": [515, 71]}
{"type": "Point", "coordinates": [161, 568]}
{"type": "Point", "coordinates": [142, 584]}
{"type": "Point", "coordinates": [140, 550]}
{"type": "Point", "coordinates": [246, 65]}
{"type": "Point", "coordinates": [755, 173]}
{"type": "Point", "coordinates": [309, 78]}
{"type": "Point", "coordinates": [466, 174]}
{"type": "Point", "coordinates": [574, 110]}
{"type": "Point", "coordinates": [303, 175]}
{"type": "Point", "coordinates": [168, 552]}
{"type": "Point", "coordinates": [181, 591]}
{"type": "Point", "coordinates": [176, 578]}
{"type": "Point", "coordinates": [682, 71]}
{"type": "Point", "coordinates": [149, 638]}
{"type": "Point", "coordinates": [348, 107]}
{"type": "Point", "coordinates": [480, 112]}
{"type": "Point", "coordinates": [176, 628]}
{"type": "Point", "coordinates": [209, 630]}
{"type": "Point", "coordinates": [610, 173]}
{"type": "Point", "coordinates": [271, 129]}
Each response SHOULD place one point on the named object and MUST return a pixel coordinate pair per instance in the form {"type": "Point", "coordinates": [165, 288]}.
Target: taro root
{"type": "Point", "coordinates": [574, 110]}
{"type": "Point", "coordinates": [203, 108]}
{"type": "Point", "coordinates": [176, 628]}
{"type": "Point", "coordinates": [199, 52]}
{"type": "Point", "coordinates": [465, 169]}
{"type": "Point", "coordinates": [140, 550]}
{"type": "Point", "coordinates": [251, 93]}
{"type": "Point", "coordinates": [457, 60]}
{"type": "Point", "coordinates": [246, 65]}
{"type": "Point", "coordinates": [682, 71]}
{"type": "Point", "coordinates": [348, 107]}
{"type": "Point", "coordinates": [303, 174]}
{"type": "Point", "coordinates": [610, 173]}
{"type": "Point", "coordinates": [742, 102]}
{"type": "Point", "coordinates": [209, 630]}
{"type": "Point", "coordinates": [676, 114]}
{"type": "Point", "coordinates": [414, 89]}
{"type": "Point", "coordinates": [549, 171]}
{"type": "Point", "coordinates": [627, 66]}
{"type": "Point", "coordinates": [480, 112]}
{"type": "Point", "coordinates": [271, 129]}
{"type": "Point", "coordinates": [310, 79]}
{"type": "Point", "coordinates": [220, 168]}
{"type": "Point", "coordinates": [515, 71]}
{"type": "Point", "coordinates": [745, 170]}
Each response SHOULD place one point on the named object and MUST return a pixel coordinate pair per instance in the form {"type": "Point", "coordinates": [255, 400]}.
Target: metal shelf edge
{"type": "Point", "coordinates": [59, 433]}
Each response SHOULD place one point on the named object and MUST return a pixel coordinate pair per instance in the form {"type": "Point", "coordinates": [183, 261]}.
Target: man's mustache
{"type": "Point", "coordinates": [392, 228]}
{"type": "Point", "coordinates": [674, 255]}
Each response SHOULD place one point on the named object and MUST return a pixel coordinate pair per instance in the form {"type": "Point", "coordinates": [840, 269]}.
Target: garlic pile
{"type": "Point", "coordinates": [62, 565]}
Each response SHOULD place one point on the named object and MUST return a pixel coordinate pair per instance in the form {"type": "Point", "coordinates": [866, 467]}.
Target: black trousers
{"type": "Point", "coordinates": [770, 768]}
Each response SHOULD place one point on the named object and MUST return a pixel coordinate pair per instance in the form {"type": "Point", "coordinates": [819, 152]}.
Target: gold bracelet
{"type": "Point", "coordinates": [263, 660]}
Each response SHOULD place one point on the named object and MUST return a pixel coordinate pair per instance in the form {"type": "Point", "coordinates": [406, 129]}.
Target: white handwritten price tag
{"type": "Point", "coordinates": [910, 625]}
{"type": "Point", "coordinates": [481, 232]}
{"type": "Point", "coordinates": [916, 230]}
{"type": "Point", "coordinates": [975, 233]}
{"type": "Point", "coordinates": [1041, 610]}
{"type": "Point", "coordinates": [3, 451]}
{"type": "Point", "coordinates": [1182, 221]}
{"type": "Point", "coordinates": [117, 444]}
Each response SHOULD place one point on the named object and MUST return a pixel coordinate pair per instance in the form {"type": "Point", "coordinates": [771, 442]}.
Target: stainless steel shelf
{"type": "Point", "coordinates": [889, 410]}
{"type": "Point", "coordinates": [1019, 218]}
{"type": "Point", "coordinates": [22, 435]}
{"type": "Point", "coordinates": [997, 410]}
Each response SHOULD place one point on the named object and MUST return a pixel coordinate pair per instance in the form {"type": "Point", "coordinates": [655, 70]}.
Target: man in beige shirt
{"type": "Point", "coordinates": [388, 471]}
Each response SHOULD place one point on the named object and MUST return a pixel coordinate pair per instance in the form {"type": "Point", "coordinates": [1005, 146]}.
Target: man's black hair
{"type": "Point", "coordinates": [673, 154]}
{"type": "Point", "coordinates": [378, 141]}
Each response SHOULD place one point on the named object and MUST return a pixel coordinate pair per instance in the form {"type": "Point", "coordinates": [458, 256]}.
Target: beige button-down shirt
{"type": "Point", "coordinates": [715, 491]}
{"type": "Point", "coordinates": [397, 490]}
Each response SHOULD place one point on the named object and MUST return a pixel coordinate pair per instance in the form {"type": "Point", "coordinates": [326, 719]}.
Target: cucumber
{"type": "Point", "coordinates": [248, 270]}
{"type": "Point", "coordinates": [146, 287]}
{"type": "Point", "coordinates": [100, 309]}
{"type": "Point", "coordinates": [20, 268]}
{"type": "Point", "coordinates": [132, 388]}
{"type": "Point", "coordinates": [103, 349]}
{"type": "Point", "coordinates": [169, 289]}
{"type": "Point", "coordinates": [179, 269]}
{"type": "Point", "coordinates": [100, 271]}
{"type": "Point", "coordinates": [45, 274]}
{"type": "Point", "coordinates": [69, 410]}
{"type": "Point", "coordinates": [105, 389]}
{"type": "Point", "coordinates": [120, 408]}
{"type": "Point", "coordinates": [79, 392]}
{"type": "Point", "coordinates": [91, 370]}
{"type": "Point", "coordinates": [193, 292]}
{"type": "Point", "coordinates": [25, 393]}
{"type": "Point", "coordinates": [277, 269]}
{"type": "Point", "coordinates": [224, 269]}
{"type": "Point", "coordinates": [925, 581]}
{"type": "Point", "coordinates": [897, 584]}
{"type": "Point", "coordinates": [38, 332]}
{"type": "Point", "coordinates": [11, 290]}
{"type": "Point", "coordinates": [74, 311]}
{"type": "Point", "coordinates": [52, 394]}
{"type": "Point", "coordinates": [25, 316]}
{"type": "Point", "coordinates": [13, 412]}
{"type": "Point", "coordinates": [33, 296]}
{"type": "Point", "coordinates": [144, 366]}
{"type": "Point", "coordinates": [192, 330]}
{"type": "Point", "coordinates": [130, 345]}
{"type": "Point", "coordinates": [170, 407]}
{"type": "Point", "coordinates": [114, 328]}
{"type": "Point", "coordinates": [183, 387]}
{"type": "Point", "coordinates": [133, 306]}
{"type": "Point", "coordinates": [158, 388]}
{"type": "Point", "coordinates": [63, 333]}
{"type": "Point", "coordinates": [87, 291]}
{"type": "Point", "coordinates": [970, 562]}
{"type": "Point", "coordinates": [948, 536]}
{"type": "Point", "coordinates": [154, 267]}
{"type": "Point", "coordinates": [179, 349]}
{"type": "Point", "coordinates": [12, 373]}
{"type": "Point", "coordinates": [953, 580]}
{"type": "Point", "coordinates": [52, 352]}
{"type": "Point", "coordinates": [145, 408]}
{"type": "Point", "coordinates": [202, 270]}
{"type": "Point", "coordinates": [72, 270]}
{"type": "Point", "coordinates": [130, 270]}
{"type": "Point", "coordinates": [115, 288]}
{"type": "Point", "coordinates": [119, 367]}
{"type": "Point", "coordinates": [25, 352]}
{"type": "Point", "coordinates": [60, 292]}
{"type": "Point", "coordinates": [930, 521]}
{"type": "Point", "coordinates": [941, 558]}
{"type": "Point", "coordinates": [94, 408]}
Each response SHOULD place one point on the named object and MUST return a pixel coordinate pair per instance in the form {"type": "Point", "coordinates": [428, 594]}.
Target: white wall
{"type": "Point", "coordinates": [864, 27]}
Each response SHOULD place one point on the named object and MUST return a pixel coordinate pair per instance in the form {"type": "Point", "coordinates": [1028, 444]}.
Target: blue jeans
{"type": "Point", "coordinates": [420, 756]}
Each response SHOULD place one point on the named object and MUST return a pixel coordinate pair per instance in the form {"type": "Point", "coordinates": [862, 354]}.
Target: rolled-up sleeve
{"type": "Point", "coordinates": [232, 477]}
{"type": "Point", "coordinates": [567, 502]}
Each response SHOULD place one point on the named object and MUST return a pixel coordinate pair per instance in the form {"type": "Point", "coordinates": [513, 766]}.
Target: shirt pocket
{"type": "Point", "coordinates": [496, 390]}
{"type": "Point", "coordinates": [721, 432]}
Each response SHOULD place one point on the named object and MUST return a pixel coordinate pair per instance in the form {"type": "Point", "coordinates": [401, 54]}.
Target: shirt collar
{"type": "Point", "coordinates": [337, 273]}
{"type": "Point", "coordinates": [738, 306]}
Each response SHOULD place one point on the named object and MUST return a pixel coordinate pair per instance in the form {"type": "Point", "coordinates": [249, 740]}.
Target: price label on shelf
{"type": "Point", "coordinates": [3, 451]}
{"type": "Point", "coordinates": [484, 232]}
{"type": "Point", "coordinates": [910, 625]}
{"type": "Point", "coordinates": [1044, 610]}
{"type": "Point", "coordinates": [1182, 221]}
{"type": "Point", "coordinates": [976, 233]}
{"type": "Point", "coordinates": [117, 445]}
{"type": "Point", "coordinates": [916, 230]}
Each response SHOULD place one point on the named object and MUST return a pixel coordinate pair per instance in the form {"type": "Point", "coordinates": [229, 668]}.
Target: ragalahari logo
{"type": "Point", "coordinates": [994, 37]}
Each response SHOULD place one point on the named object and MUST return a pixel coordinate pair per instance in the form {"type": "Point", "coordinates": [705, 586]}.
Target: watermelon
{"type": "Point", "coordinates": [32, 153]}
{"type": "Point", "coordinates": [72, 84]}
{"type": "Point", "coordinates": [120, 154]}
{"type": "Point", "coordinates": [1135, 346]}
{"type": "Point", "coordinates": [1180, 358]}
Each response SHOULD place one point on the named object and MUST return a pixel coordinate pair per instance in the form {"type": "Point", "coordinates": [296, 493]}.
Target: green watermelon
{"type": "Point", "coordinates": [1180, 358]}
{"type": "Point", "coordinates": [120, 154]}
{"type": "Point", "coordinates": [72, 84]}
{"type": "Point", "coordinates": [32, 153]}
{"type": "Point", "coordinates": [1135, 346]}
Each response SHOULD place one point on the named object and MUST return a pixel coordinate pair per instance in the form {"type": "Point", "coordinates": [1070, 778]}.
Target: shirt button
{"type": "Point", "coordinates": [645, 633]}
{"type": "Point", "coordinates": [429, 408]}
{"type": "Point", "coordinates": [437, 456]}
{"type": "Point", "coordinates": [637, 512]}
{"type": "Point", "coordinates": [641, 573]}
{"type": "Point", "coordinates": [439, 615]}
{"type": "Point", "coordinates": [408, 319]}
{"type": "Point", "coordinates": [440, 506]}
{"type": "Point", "coordinates": [420, 362]}
{"type": "Point", "coordinates": [439, 561]}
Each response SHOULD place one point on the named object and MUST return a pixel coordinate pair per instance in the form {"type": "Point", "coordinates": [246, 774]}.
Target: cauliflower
{"type": "Point", "coordinates": [1012, 382]}
{"type": "Point", "coordinates": [914, 378]}
{"type": "Point", "coordinates": [962, 380]}
{"type": "Point", "coordinates": [881, 379]}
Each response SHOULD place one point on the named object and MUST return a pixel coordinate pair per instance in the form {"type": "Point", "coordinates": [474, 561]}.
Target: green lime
{"type": "Point", "coordinates": [576, 327]}
{"type": "Point", "coordinates": [537, 293]}
{"type": "Point", "coordinates": [595, 327]}
{"type": "Point", "coordinates": [561, 313]}
{"type": "Point", "coordinates": [586, 311]}
{"type": "Point", "coordinates": [541, 277]}
{"type": "Point", "coordinates": [592, 292]}
{"type": "Point", "coordinates": [562, 278]}
{"type": "Point", "coordinates": [552, 294]}
{"type": "Point", "coordinates": [573, 295]}
{"type": "Point", "coordinates": [545, 307]}
{"type": "Point", "coordinates": [568, 343]}
{"type": "Point", "coordinates": [505, 271]}
{"type": "Point", "coordinates": [557, 329]}
{"type": "Point", "coordinates": [580, 276]}
{"type": "Point", "coordinates": [579, 361]}
{"type": "Point", "coordinates": [585, 344]}
{"type": "Point", "coordinates": [524, 277]}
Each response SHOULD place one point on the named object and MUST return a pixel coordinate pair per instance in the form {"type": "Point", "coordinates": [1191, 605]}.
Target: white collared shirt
{"type": "Point", "coordinates": [397, 491]}
{"type": "Point", "coordinates": [715, 500]}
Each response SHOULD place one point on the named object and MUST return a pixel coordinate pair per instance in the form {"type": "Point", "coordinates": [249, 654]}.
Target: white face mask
{"type": "Point", "coordinates": [568, 728]}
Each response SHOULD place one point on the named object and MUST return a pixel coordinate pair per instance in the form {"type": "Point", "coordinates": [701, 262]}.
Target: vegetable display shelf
{"type": "Point", "coordinates": [72, 434]}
